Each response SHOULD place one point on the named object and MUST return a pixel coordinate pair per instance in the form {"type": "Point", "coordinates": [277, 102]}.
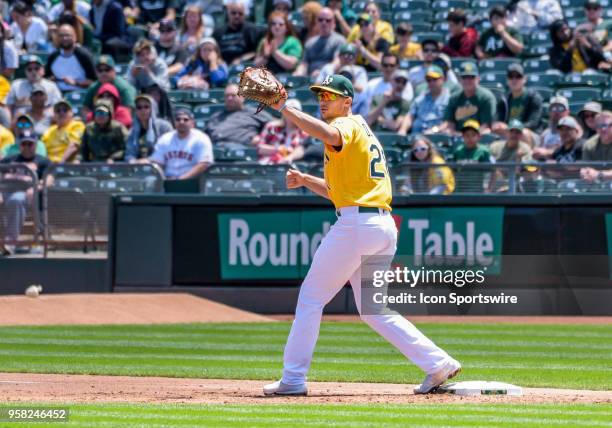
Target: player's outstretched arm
{"type": "Point", "coordinates": [296, 179]}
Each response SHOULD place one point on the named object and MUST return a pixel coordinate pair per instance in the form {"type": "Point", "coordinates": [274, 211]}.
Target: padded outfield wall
{"type": "Point", "coordinates": [552, 251]}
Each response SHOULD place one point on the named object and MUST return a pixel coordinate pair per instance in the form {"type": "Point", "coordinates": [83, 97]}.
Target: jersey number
{"type": "Point", "coordinates": [378, 158]}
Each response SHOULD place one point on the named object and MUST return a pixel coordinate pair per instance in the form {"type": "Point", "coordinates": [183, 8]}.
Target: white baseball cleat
{"type": "Point", "coordinates": [433, 381]}
{"type": "Point", "coordinates": [280, 388]}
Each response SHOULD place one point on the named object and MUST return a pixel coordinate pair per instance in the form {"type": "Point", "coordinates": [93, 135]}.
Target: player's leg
{"type": "Point", "coordinates": [396, 329]}
{"type": "Point", "coordinates": [331, 267]}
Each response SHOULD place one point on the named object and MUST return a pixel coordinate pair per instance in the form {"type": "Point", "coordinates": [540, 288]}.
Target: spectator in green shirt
{"type": "Point", "coordinates": [471, 178]}
{"type": "Point", "coordinates": [499, 40]}
{"type": "Point", "coordinates": [280, 50]}
{"type": "Point", "coordinates": [389, 109]}
{"type": "Point", "coordinates": [473, 102]}
{"type": "Point", "coordinates": [105, 70]}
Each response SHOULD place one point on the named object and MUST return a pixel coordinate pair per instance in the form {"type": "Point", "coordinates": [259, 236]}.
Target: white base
{"type": "Point", "coordinates": [481, 387]}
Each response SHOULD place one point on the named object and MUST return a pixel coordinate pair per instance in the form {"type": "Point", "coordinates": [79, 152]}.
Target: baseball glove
{"type": "Point", "coordinates": [259, 84]}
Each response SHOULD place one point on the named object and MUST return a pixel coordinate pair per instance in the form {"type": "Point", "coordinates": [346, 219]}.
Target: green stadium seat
{"type": "Point", "coordinates": [579, 95]}
{"type": "Point", "coordinates": [294, 82]}
{"type": "Point", "coordinates": [75, 97]}
{"type": "Point", "coordinates": [391, 139]}
{"type": "Point", "coordinates": [490, 78]}
{"type": "Point", "coordinates": [539, 38]}
{"type": "Point", "coordinates": [393, 155]}
{"type": "Point", "coordinates": [575, 107]}
{"type": "Point", "coordinates": [456, 61]}
{"type": "Point", "coordinates": [487, 4]}
{"type": "Point", "coordinates": [420, 27]}
{"type": "Point", "coordinates": [566, 4]}
{"type": "Point", "coordinates": [255, 185]}
{"type": "Point", "coordinates": [536, 65]}
{"type": "Point", "coordinates": [606, 99]}
{"type": "Point", "coordinates": [545, 92]}
{"type": "Point", "coordinates": [580, 79]}
{"type": "Point", "coordinates": [535, 52]}
{"type": "Point", "coordinates": [207, 110]}
{"type": "Point", "coordinates": [407, 64]}
{"type": "Point", "coordinates": [248, 154]}
{"type": "Point", "coordinates": [441, 27]}
{"type": "Point", "coordinates": [419, 37]}
{"type": "Point", "coordinates": [544, 79]}
{"type": "Point", "coordinates": [179, 95]}
{"type": "Point", "coordinates": [401, 5]}
{"type": "Point", "coordinates": [450, 4]}
{"type": "Point", "coordinates": [311, 108]}
{"type": "Point", "coordinates": [496, 64]}
{"type": "Point", "coordinates": [218, 186]}
{"type": "Point", "coordinates": [412, 16]}
{"type": "Point", "coordinates": [442, 141]}
{"type": "Point", "coordinates": [304, 95]}
{"type": "Point", "coordinates": [576, 13]}
{"type": "Point", "coordinates": [360, 5]}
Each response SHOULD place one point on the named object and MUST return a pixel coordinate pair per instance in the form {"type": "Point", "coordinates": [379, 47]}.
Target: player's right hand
{"type": "Point", "coordinates": [294, 179]}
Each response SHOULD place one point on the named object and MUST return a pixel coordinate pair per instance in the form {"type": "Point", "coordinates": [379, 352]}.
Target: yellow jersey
{"type": "Point", "coordinates": [6, 138]}
{"type": "Point", "coordinates": [357, 175]}
{"type": "Point", "coordinates": [57, 140]}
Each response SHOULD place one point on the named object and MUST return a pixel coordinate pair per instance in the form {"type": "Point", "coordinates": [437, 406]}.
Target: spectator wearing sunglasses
{"type": "Point", "coordinates": [104, 138]}
{"type": "Point", "coordinates": [21, 89]}
{"type": "Point", "coordinates": [63, 139]}
{"type": "Point", "coordinates": [550, 138]}
{"type": "Point", "coordinates": [427, 111]}
{"type": "Point", "coordinates": [23, 124]}
{"type": "Point", "coordinates": [587, 116]}
{"type": "Point", "coordinates": [405, 48]}
{"type": "Point", "coordinates": [280, 50]}
{"type": "Point", "coordinates": [345, 16]}
{"type": "Point", "coordinates": [382, 29]}
{"type": "Point", "coordinates": [370, 45]}
{"type": "Point", "coordinates": [169, 49]}
{"type": "Point", "coordinates": [346, 60]}
{"type": "Point", "coordinates": [388, 110]}
{"type": "Point", "coordinates": [381, 85]}
{"type": "Point", "coordinates": [599, 149]}
{"type": "Point", "coordinates": [146, 130]}
{"type": "Point", "coordinates": [431, 53]}
{"type": "Point", "coordinates": [106, 73]}
{"type": "Point", "coordinates": [238, 38]}
{"type": "Point", "coordinates": [600, 28]}
{"type": "Point", "coordinates": [520, 103]}
{"type": "Point", "coordinates": [322, 48]}
{"type": "Point", "coordinates": [433, 180]}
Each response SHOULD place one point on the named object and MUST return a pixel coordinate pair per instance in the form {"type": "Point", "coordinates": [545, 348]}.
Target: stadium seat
{"type": "Point", "coordinates": [75, 97]}
{"type": "Point", "coordinates": [497, 64]}
{"type": "Point", "coordinates": [538, 38]}
{"type": "Point", "coordinates": [121, 69]}
{"type": "Point", "coordinates": [81, 183]}
{"type": "Point", "coordinates": [536, 65]}
{"type": "Point", "coordinates": [450, 4]}
{"type": "Point", "coordinates": [304, 95]}
{"type": "Point", "coordinates": [441, 140]}
{"type": "Point", "coordinates": [486, 4]}
{"type": "Point", "coordinates": [255, 185]}
{"type": "Point", "coordinates": [218, 186]}
{"type": "Point", "coordinates": [123, 185]}
{"type": "Point", "coordinates": [407, 64]}
{"type": "Point", "coordinates": [576, 13]}
{"type": "Point", "coordinates": [420, 27]}
{"type": "Point", "coordinates": [294, 82]}
{"type": "Point", "coordinates": [545, 92]}
{"type": "Point", "coordinates": [200, 97]}
{"type": "Point", "coordinates": [489, 78]}
{"type": "Point", "coordinates": [419, 37]}
{"type": "Point", "coordinates": [441, 28]}
{"type": "Point", "coordinates": [248, 154]}
{"type": "Point", "coordinates": [573, 186]}
{"type": "Point", "coordinates": [403, 5]}
{"type": "Point", "coordinates": [412, 16]}
{"type": "Point", "coordinates": [538, 51]}
{"type": "Point", "coordinates": [606, 98]}
{"type": "Point", "coordinates": [179, 95]}
{"type": "Point", "coordinates": [576, 95]}
{"type": "Point", "coordinates": [359, 6]}
{"type": "Point", "coordinates": [311, 108]}
{"type": "Point", "coordinates": [207, 110]}
{"type": "Point", "coordinates": [393, 155]}
{"type": "Point", "coordinates": [583, 79]}
{"type": "Point", "coordinates": [546, 79]}
{"type": "Point", "coordinates": [391, 139]}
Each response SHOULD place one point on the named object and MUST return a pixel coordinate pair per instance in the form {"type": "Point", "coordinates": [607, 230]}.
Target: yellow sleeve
{"type": "Point", "coordinates": [75, 132]}
{"type": "Point", "coordinates": [354, 34]}
{"type": "Point", "coordinates": [347, 129]}
{"type": "Point", "coordinates": [385, 30]}
{"type": "Point", "coordinates": [6, 138]}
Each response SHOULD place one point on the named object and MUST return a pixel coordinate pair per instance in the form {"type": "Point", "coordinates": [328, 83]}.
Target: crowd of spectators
{"type": "Point", "coordinates": [125, 58]}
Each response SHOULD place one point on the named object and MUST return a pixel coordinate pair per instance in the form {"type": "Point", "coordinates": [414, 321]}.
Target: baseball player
{"type": "Point", "coordinates": [358, 184]}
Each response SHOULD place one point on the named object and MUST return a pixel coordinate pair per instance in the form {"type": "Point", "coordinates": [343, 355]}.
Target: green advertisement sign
{"type": "Point", "coordinates": [609, 235]}
{"type": "Point", "coordinates": [466, 237]}
{"type": "Point", "coordinates": [280, 245]}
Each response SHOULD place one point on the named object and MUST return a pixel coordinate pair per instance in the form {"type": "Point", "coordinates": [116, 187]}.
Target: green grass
{"type": "Point", "coordinates": [563, 356]}
{"type": "Point", "coordinates": [329, 415]}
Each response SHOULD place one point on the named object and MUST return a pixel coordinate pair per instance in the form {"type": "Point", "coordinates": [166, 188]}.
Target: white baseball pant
{"type": "Point", "coordinates": [337, 260]}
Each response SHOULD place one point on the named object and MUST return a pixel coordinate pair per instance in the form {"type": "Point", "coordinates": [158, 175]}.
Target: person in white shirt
{"type": "Point", "coordinates": [21, 89]}
{"type": "Point", "coordinates": [531, 15]}
{"type": "Point", "coordinates": [29, 32]}
{"type": "Point", "coordinates": [346, 59]}
{"type": "Point", "coordinates": [380, 85]}
{"type": "Point", "coordinates": [82, 9]}
{"type": "Point", "coordinates": [71, 66]}
{"type": "Point", "coordinates": [185, 153]}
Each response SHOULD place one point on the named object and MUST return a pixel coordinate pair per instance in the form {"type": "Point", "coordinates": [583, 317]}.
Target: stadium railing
{"type": "Point", "coordinates": [18, 182]}
{"type": "Point", "coordinates": [503, 178]}
{"type": "Point", "coordinates": [76, 200]}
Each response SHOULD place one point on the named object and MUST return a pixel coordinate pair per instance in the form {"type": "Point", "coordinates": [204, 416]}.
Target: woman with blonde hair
{"type": "Point", "coordinates": [192, 28]}
{"type": "Point", "coordinates": [310, 11]}
{"type": "Point", "coordinates": [280, 50]}
{"type": "Point", "coordinates": [205, 69]}
{"type": "Point", "coordinates": [429, 179]}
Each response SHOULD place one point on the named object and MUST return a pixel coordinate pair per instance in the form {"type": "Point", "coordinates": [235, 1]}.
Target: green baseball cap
{"type": "Point", "coordinates": [106, 60]}
{"type": "Point", "coordinates": [336, 84]}
{"type": "Point", "coordinates": [434, 71]}
{"type": "Point", "coordinates": [28, 59]}
{"type": "Point", "coordinates": [348, 48]}
{"type": "Point", "coordinates": [468, 68]}
{"type": "Point", "coordinates": [516, 124]}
